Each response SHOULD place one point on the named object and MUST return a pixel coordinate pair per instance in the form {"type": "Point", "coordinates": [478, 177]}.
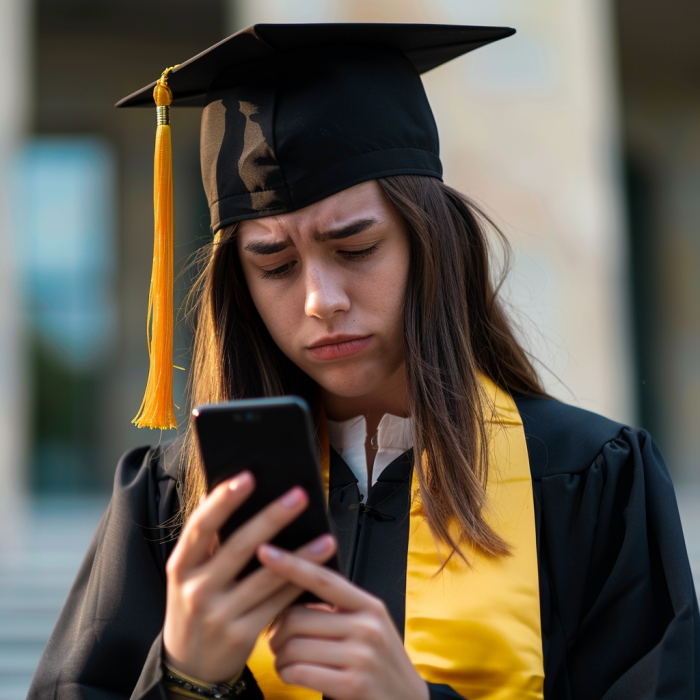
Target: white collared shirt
{"type": "Point", "coordinates": [348, 439]}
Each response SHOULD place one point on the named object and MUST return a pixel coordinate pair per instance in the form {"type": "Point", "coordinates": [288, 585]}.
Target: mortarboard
{"type": "Point", "coordinates": [292, 113]}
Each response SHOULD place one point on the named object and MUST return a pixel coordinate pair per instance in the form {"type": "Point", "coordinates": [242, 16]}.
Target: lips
{"type": "Point", "coordinates": [334, 347]}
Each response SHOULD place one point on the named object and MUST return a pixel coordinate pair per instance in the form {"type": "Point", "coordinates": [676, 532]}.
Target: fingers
{"type": "Point", "coordinates": [259, 617]}
{"type": "Point", "coordinates": [261, 584]}
{"type": "Point", "coordinates": [322, 679]}
{"type": "Point", "coordinates": [328, 585]}
{"type": "Point", "coordinates": [240, 547]}
{"type": "Point", "coordinates": [200, 532]}
{"type": "Point", "coordinates": [303, 650]}
{"type": "Point", "coordinates": [302, 621]}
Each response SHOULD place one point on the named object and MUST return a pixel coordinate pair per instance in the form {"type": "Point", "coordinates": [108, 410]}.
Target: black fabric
{"type": "Point", "coordinates": [111, 620]}
{"type": "Point", "coordinates": [382, 545]}
{"type": "Point", "coordinates": [373, 537]}
{"type": "Point", "coordinates": [425, 45]}
{"type": "Point", "coordinates": [306, 129]}
{"type": "Point", "coordinates": [296, 113]}
{"type": "Point", "coordinates": [343, 507]}
{"type": "Point", "coordinates": [619, 613]}
{"type": "Point", "coordinates": [439, 691]}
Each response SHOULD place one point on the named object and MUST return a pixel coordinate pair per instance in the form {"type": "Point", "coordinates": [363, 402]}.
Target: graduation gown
{"type": "Point", "coordinates": [619, 615]}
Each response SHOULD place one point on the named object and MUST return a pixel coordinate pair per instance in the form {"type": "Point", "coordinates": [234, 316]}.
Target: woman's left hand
{"type": "Point", "coordinates": [346, 652]}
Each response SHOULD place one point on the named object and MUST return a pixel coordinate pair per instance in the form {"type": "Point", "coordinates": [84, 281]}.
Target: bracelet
{"type": "Point", "coordinates": [182, 684]}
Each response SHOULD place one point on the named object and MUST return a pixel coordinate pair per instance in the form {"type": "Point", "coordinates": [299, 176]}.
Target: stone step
{"type": "Point", "coordinates": [37, 569]}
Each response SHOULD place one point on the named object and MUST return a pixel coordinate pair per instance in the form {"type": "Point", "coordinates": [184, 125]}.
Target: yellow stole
{"type": "Point", "coordinates": [475, 628]}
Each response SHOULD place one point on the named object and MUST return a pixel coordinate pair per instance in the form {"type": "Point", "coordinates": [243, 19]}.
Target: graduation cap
{"type": "Point", "coordinates": [292, 113]}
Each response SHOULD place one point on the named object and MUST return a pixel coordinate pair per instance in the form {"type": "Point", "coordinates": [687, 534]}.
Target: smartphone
{"type": "Point", "coordinates": [274, 439]}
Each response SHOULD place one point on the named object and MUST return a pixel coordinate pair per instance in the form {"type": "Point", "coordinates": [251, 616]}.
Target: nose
{"type": "Point", "coordinates": [325, 294]}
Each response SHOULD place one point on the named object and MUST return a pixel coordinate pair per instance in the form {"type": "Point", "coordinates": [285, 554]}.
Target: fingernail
{"type": "Point", "coordinates": [293, 498]}
{"type": "Point", "coordinates": [241, 480]}
{"type": "Point", "coordinates": [320, 545]}
{"type": "Point", "coordinates": [272, 552]}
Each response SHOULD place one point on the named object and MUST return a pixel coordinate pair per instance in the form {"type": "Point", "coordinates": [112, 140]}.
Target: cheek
{"type": "Point", "coordinates": [384, 293]}
{"type": "Point", "coordinates": [278, 312]}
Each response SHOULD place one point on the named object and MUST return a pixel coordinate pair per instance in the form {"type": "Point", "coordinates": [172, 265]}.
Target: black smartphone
{"type": "Point", "coordinates": [274, 439]}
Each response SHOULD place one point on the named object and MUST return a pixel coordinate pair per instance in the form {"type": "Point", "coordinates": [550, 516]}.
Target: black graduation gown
{"type": "Point", "coordinates": [619, 612]}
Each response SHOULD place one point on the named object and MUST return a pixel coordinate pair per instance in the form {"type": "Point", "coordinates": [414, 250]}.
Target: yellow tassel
{"type": "Point", "coordinates": [157, 406]}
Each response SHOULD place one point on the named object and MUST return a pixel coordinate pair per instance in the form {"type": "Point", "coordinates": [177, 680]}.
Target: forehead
{"type": "Point", "coordinates": [360, 201]}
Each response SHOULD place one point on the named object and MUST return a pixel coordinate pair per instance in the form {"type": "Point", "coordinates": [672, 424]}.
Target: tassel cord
{"type": "Point", "coordinates": [157, 407]}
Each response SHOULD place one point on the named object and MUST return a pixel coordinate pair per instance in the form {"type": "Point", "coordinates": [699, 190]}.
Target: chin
{"type": "Point", "coordinates": [350, 382]}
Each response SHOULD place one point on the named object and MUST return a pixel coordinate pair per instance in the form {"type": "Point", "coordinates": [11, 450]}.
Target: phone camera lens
{"type": "Point", "coordinates": [249, 416]}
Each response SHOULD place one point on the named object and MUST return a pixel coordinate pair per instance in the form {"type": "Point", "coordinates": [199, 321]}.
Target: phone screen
{"type": "Point", "coordinates": [274, 439]}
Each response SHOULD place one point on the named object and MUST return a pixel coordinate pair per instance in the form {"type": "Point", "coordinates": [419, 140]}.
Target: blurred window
{"type": "Point", "coordinates": [65, 237]}
{"type": "Point", "coordinates": [64, 232]}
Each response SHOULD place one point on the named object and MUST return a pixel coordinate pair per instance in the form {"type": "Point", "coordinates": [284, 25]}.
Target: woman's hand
{"type": "Point", "coordinates": [346, 652]}
{"type": "Point", "coordinates": [211, 621]}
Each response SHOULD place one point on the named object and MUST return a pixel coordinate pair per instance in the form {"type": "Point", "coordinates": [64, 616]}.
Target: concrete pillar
{"type": "Point", "coordinates": [528, 128]}
{"type": "Point", "coordinates": [14, 88]}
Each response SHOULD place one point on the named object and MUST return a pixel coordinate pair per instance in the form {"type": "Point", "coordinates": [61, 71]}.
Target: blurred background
{"type": "Point", "coordinates": [580, 136]}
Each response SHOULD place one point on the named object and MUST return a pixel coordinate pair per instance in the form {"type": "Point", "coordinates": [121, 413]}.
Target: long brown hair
{"type": "Point", "coordinates": [455, 327]}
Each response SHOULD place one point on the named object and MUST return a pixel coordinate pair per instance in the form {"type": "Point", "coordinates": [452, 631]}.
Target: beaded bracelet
{"type": "Point", "coordinates": [182, 684]}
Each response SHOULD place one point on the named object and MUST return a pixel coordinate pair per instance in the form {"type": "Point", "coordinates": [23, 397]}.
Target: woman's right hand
{"type": "Point", "coordinates": [211, 620]}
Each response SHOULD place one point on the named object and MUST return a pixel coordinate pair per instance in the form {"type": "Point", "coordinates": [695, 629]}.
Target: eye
{"type": "Point", "coordinates": [284, 270]}
{"type": "Point", "coordinates": [355, 254]}
{"type": "Point", "coordinates": [278, 272]}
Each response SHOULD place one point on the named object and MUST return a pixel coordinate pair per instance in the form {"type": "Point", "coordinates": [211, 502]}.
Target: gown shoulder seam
{"type": "Point", "coordinates": [564, 439]}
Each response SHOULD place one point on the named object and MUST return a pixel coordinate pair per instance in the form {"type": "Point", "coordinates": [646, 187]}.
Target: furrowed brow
{"type": "Point", "coordinates": [267, 248]}
{"type": "Point", "coordinates": [351, 229]}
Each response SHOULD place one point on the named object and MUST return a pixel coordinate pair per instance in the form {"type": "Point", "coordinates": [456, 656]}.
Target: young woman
{"type": "Point", "coordinates": [495, 543]}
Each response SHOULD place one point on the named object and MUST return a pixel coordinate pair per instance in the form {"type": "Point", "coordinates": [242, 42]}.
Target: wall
{"type": "Point", "coordinates": [659, 64]}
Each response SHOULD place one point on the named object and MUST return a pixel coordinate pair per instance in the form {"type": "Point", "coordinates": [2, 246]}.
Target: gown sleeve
{"type": "Point", "coordinates": [624, 614]}
{"type": "Point", "coordinates": [116, 606]}
{"type": "Point", "coordinates": [107, 643]}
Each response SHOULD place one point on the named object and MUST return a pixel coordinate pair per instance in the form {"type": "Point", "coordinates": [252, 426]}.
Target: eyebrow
{"type": "Point", "coordinates": [351, 229]}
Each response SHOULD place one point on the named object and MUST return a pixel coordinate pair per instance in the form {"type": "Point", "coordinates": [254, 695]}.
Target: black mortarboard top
{"type": "Point", "coordinates": [294, 113]}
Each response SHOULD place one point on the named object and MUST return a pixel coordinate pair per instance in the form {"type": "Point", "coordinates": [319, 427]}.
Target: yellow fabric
{"type": "Point", "coordinates": [157, 406]}
{"type": "Point", "coordinates": [478, 629]}
{"type": "Point", "coordinates": [475, 628]}
{"type": "Point", "coordinates": [262, 664]}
